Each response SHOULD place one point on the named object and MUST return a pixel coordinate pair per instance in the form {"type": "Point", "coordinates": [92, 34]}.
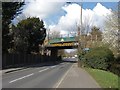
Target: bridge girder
{"type": "Point", "coordinates": [61, 47]}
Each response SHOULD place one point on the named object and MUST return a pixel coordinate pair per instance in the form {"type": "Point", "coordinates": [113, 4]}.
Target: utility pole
{"type": "Point", "coordinates": [48, 35]}
{"type": "Point", "coordinates": [80, 27]}
{"type": "Point", "coordinates": [81, 19]}
{"type": "Point", "coordinates": [79, 35]}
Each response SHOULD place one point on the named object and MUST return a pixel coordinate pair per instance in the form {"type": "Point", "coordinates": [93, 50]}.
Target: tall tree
{"type": "Point", "coordinates": [93, 38]}
{"type": "Point", "coordinates": [96, 33]}
{"type": "Point", "coordinates": [28, 34]}
{"type": "Point", "coordinates": [111, 32]}
{"type": "Point", "coordinates": [9, 11]}
{"type": "Point", "coordinates": [87, 24]}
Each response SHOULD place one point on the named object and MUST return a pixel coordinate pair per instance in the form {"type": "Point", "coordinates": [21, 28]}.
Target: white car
{"type": "Point", "coordinates": [73, 57]}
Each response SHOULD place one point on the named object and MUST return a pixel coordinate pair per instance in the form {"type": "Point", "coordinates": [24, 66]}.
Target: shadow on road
{"type": "Point", "coordinates": [35, 65]}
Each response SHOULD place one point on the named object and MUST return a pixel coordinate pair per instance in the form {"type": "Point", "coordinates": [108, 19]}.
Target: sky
{"type": "Point", "coordinates": [65, 16]}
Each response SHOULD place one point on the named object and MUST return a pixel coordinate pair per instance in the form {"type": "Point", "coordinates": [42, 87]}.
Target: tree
{"type": "Point", "coordinates": [93, 38]}
{"type": "Point", "coordinates": [83, 30]}
{"type": "Point", "coordinates": [96, 33]}
{"type": "Point", "coordinates": [87, 24]}
{"type": "Point", "coordinates": [111, 32]}
{"type": "Point", "coordinates": [9, 11]}
{"type": "Point", "coordinates": [28, 34]}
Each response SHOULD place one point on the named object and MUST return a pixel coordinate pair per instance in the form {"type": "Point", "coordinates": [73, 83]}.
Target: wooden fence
{"type": "Point", "coordinates": [15, 60]}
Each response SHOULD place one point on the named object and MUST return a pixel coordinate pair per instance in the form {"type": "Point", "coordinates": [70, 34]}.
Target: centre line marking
{"type": "Point", "coordinates": [52, 66]}
{"type": "Point", "coordinates": [21, 78]}
{"type": "Point", "coordinates": [43, 70]}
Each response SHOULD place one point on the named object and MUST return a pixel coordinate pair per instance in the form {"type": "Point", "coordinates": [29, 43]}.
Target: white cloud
{"type": "Point", "coordinates": [42, 9]}
{"type": "Point", "coordinates": [68, 22]}
{"type": "Point", "coordinates": [90, 17]}
{"type": "Point", "coordinates": [100, 13]}
{"type": "Point", "coordinates": [101, 10]}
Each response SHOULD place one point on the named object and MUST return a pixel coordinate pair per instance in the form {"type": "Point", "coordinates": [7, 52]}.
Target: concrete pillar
{"type": "Point", "coordinates": [54, 53]}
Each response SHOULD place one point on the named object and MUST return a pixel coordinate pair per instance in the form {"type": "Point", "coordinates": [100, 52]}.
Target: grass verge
{"type": "Point", "coordinates": [104, 78]}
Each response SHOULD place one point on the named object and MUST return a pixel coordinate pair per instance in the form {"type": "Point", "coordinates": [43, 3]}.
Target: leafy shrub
{"type": "Point", "coordinates": [115, 67]}
{"type": "Point", "coordinates": [99, 58]}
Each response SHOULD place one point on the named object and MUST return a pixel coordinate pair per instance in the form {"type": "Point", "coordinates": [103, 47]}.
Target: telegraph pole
{"type": "Point", "coordinates": [79, 34]}
{"type": "Point", "coordinates": [81, 19]}
{"type": "Point", "coordinates": [80, 26]}
{"type": "Point", "coordinates": [80, 29]}
{"type": "Point", "coordinates": [48, 35]}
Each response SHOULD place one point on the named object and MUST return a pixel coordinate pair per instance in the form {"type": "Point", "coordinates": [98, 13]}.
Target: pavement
{"type": "Point", "coordinates": [77, 78]}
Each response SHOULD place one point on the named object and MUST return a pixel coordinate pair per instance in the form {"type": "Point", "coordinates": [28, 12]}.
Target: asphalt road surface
{"type": "Point", "coordinates": [36, 77]}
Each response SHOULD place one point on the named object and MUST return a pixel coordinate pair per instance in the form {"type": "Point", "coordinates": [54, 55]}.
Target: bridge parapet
{"type": "Point", "coordinates": [63, 39]}
{"type": "Point", "coordinates": [62, 43]}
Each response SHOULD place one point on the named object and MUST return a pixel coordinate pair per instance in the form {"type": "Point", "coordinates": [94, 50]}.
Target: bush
{"type": "Point", "coordinates": [99, 58]}
{"type": "Point", "coordinates": [115, 67]}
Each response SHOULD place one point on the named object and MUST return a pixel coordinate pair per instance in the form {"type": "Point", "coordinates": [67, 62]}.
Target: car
{"type": "Point", "coordinates": [73, 57]}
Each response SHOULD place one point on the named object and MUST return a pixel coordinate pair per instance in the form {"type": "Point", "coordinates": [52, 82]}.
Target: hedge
{"type": "Point", "coordinates": [98, 58]}
{"type": "Point", "coordinates": [115, 67]}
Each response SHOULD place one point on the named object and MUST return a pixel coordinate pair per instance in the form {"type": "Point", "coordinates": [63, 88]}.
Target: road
{"type": "Point", "coordinates": [36, 77]}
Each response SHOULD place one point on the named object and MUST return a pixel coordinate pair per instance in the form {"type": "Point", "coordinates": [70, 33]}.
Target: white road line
{"type": "Point", "coordinates": [43, 70]}
{"type": "Point", "coordinates": [40, 68]}
{"type": "Point", "coordinates": [52, 66]}
{"type": "Point", "coordinates": [21, 78]}
{"type": "Point", "coordinates": [58, 84]}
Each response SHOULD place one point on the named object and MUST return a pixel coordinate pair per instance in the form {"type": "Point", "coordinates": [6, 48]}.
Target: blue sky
{"type": "Point", "coordinates": [91, 5]}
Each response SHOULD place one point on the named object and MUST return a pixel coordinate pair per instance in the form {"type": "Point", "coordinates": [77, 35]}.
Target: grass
{"type": "Point", "coordinates": [104, 78]}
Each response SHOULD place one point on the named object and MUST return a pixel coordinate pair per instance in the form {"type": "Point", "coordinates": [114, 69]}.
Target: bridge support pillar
{"type": "Point", "coordinates": [54, 54]}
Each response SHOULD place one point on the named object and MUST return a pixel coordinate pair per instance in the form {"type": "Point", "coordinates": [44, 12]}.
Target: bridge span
{"type": "Point", "coordinates": [53, 45]}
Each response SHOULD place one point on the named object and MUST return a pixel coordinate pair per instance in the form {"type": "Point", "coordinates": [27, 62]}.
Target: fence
{"type": "Point", "coordinates": [15, 60]}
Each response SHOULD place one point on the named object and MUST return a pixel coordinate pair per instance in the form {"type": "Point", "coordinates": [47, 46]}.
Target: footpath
{"type": "Point", "coordinates": [77, 78]}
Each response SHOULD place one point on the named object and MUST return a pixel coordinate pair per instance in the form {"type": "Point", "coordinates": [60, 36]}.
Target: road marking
{"type": "Point", "coordinates": [40, 68]}
{"type": "Point", "coordinates": [52, 66]}
{"type": "Point", "coordinates": [21, 78]}
{"type": "Point", "coordinates": [43, 70]}
{"type": "Point", "coordinates": [63, 77]}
